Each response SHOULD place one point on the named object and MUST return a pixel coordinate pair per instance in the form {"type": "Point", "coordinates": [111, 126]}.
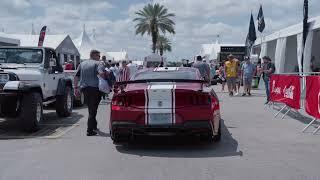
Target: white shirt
{"type": "Point", "coordinates": [133, 69]}
{"type": "Point", "coordinates": [116, 71]}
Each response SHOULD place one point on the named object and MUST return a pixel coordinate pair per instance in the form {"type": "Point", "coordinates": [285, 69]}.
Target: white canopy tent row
{"type": "Point", "coordinates": [6, 41]}
{"type": "Point", "coordinates": [62, 43]}
{"type": "Point", "coordinates": [284, 47]}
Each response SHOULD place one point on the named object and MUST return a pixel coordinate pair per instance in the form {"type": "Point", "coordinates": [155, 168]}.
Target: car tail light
{"type": "Point", "coordinates": [121, 101]}
{"type": "Point", "coordinates": [215, 104]}
{"type": "Point", "coordinates": [199, 99]}
{"type": "Point", "coordinates": [133, 99]}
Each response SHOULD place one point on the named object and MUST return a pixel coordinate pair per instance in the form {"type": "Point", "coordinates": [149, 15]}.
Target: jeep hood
{"type": "Point", "coordinates": [26, 74]}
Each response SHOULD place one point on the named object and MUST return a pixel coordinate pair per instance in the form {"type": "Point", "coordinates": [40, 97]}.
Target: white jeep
{"type": "Point", "coordinates": [31, 77]}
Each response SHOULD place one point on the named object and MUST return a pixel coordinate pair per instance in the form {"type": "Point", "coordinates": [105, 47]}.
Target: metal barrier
{"type": "Point", "coordinates": [302, 99]}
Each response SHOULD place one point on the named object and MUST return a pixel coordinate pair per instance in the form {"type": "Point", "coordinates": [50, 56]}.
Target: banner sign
{"type": "Point", "coordinates": [285, 89]}
{"type": "Point", "coordinates": [313, 96]}
{"type": "Point", "coordinates": [42, 36]}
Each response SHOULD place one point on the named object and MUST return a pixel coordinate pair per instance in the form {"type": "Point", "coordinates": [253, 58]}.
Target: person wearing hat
{"type": "Point", "coordinates": [268, 68]}
{"type": "Point", "coordinates": [203, 68]}
{"type": "Point", "coordinates": [247, 73]}
{"type": "Point", "coordinates": [231, 70]}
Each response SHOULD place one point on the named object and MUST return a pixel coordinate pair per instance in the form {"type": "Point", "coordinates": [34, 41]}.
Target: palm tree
{"type": "Point", "coordinates": [152, 19]}
{"type": "Point", "coordinates": [163, 45]}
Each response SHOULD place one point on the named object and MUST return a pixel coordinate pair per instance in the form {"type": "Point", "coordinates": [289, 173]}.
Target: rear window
{"type": "Point", "coordinates": [188, 75]}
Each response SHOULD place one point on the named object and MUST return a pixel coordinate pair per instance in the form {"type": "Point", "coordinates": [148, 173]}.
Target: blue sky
{"type": "Point", "coordinates": [197, 21]}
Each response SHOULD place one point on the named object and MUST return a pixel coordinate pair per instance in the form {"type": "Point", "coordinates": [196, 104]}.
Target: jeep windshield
{"type": "Point", "coordinates": [20, 56]}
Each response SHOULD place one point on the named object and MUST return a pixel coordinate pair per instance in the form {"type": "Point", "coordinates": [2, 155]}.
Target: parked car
{"type": "Point", "coordinates": [31, 77]}
{"type": "Point", "coordinates": [164, 102]}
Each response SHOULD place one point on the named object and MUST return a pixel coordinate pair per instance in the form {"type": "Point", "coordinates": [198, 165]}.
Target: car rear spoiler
{"type": "Point", "coordinates": [160, 80]}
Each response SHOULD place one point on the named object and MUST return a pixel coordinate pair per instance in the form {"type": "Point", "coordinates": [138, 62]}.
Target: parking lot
{"type": "Point", "coordinates": [254, 146]}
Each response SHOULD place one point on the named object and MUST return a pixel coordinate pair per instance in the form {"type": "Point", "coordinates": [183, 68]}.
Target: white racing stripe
{"type": "Point", "coordinates": [160, 104]}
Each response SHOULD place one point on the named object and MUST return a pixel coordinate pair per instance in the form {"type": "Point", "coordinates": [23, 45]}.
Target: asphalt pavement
{"type": "Point", "coordinates": [254, 146]}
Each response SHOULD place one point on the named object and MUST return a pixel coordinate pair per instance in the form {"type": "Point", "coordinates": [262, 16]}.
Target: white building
{"type": "Point", "coordinates": [284, 47]}
{"type": "Point", "coordinates": [62, 43]}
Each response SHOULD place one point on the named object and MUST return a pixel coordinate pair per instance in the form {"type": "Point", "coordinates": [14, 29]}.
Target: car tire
{"type": "Point", "coordinates": [80, 102]}
{"type": "Point", "coordinates": [217, 138]}
{"type": "Point", "coordinates": [64, 103]}
{"type": "Point", "coordinates": [119, 138]}
{"type": "Point", "coordinates": [31, 114]}
{"type": "Point", "coordinates": [209, 138]}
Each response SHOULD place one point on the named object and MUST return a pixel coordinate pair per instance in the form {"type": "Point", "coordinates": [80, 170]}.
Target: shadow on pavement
{"type": "Point", "coordinates": [52, 127]}
{"type": "Point", "coordinates": [293, 114]}
{"type": "Point", "coordinates": [186, 148]}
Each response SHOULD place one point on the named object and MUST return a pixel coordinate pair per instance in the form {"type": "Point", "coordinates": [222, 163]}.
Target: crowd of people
{"type": "Point", "coordinates": [235, 73]}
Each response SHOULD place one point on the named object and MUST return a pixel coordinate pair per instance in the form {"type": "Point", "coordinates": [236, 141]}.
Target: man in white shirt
{"type": "Point", "coordinates": [115, 70]}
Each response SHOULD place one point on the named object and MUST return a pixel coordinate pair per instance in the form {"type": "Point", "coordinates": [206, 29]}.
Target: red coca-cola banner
{"type": "Point", "coordinates": [313, 96]}
{"type": "Point", "coordinates": [285, 89]}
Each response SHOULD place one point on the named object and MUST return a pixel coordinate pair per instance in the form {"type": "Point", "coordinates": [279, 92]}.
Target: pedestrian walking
{"type": "Point", "coordinates": [124, 72]}
{"type": "Point", "coordinates": [238, 79]}
{"type": "Point", "coordinates": [87, 79]}
{"type": "Point", "coordinates": [231, 70]}
{"type": "Point", "coordinates": [268, 68]}
{"type": "Point", "coordinates": [222, 76]}
{"type": "Point", "coordinates": [133, 68]}
{"type": "Point", "coordinates": [247, 72]}
{"type": "Point", "coordinates": [203, 68]}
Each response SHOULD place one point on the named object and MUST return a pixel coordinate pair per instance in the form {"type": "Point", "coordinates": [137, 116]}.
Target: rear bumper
{"type": "Point", "coordinates": [189, 128]}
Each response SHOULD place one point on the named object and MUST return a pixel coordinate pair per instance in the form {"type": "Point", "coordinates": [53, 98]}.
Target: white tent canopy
{"type": "Point", "coordinates": [84, 44]}
{"type": "Point", "coordinates": [5, 40]}
{"type": "Point", "coordinates": [285, 47]}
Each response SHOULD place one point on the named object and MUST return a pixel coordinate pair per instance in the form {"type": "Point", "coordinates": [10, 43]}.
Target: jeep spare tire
{"type": "Point", "coordinates": [31, 113]}
{"type": "Point", "coordinates": [64, 103]}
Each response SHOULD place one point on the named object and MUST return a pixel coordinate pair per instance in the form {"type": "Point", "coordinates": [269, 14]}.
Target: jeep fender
{"type": "Point", "coordinates": [63, 83]}
{"type": "Point", "coordinates": [20, 86]}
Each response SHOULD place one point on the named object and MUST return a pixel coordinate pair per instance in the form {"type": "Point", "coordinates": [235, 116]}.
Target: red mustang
{"type": "Point", "coordinates": [165, 102]}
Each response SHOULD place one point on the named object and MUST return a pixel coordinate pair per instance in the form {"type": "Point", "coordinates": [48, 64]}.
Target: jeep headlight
{"type": "Point", "coordinates": [12, 85]}
{"type": "Point", "coordinates": [4, 78]}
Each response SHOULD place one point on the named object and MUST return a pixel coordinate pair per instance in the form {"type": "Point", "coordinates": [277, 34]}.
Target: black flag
{"type": "Point", "coordinates": [305, 26]}
{"type": "Point", "coordinates": [305, 21]}
{"type": "Point", "coordinates": [42, 36]}
{"type": "Point", "coordinates": [252, 36]}
{"type": "Point", "coordinates": [261, 23]}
